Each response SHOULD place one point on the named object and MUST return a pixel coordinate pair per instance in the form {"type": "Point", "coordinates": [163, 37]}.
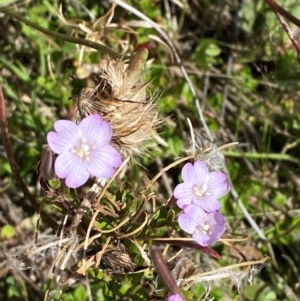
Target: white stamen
{"type": "Point", "coordinates": [201, 190]}
{"type": "Point", "coordinates": [204, 228]}
{"type": "Point", "coordinates": [83, 150]}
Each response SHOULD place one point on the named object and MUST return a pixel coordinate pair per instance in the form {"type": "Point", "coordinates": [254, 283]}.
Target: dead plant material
{"type": "Point", "coordinates": [117, 261]}
{"type": "Point", "coordinates": [121, 96]}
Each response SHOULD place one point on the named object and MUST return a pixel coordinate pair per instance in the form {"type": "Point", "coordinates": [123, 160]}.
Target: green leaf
{"type": "Point", "coordinates": [213, 50]}
{"type": "Point", "coordinates": [125, 287]}
{"type": "Point", "coordinates": [13, 290]}
{"type": "Point", "coordinates": [55, 183]}
{"type": "Point", "coordinates": [4, 3]}
{"type": "Point", "coordinates": [17, 68]}
{"type": "Point", "coordinates": [80, 293]}
{"type": "Point", "coordinates": [68, 297]}
{"type": "Point", "coordinates": [7, 232]}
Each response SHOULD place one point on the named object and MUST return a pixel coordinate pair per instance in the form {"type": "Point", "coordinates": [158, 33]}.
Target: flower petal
{"type": "Point", "coordinates": [64, 164]}
{"type": "Point", "coordinates": [195, 174]}
{"type": "Point", "coordinates": [78, 178]}
{"type": "Point", "coordinates": [217, 184]}
{"type": "Point", "coordinates": [217, 223]}
{"type": "Point", "coordinates": [71, 167]}
{"type": "Point", "coordinates": [97, 131]}
{"type": "Point", "coordinates": [196, 212]}
{"type": "Point", "coordinates": [67, 136]}
{"type": "Point", "coordinates": [186, 171]}
{"type": "Point", "coordinates": [201, 169]}
{"type": "Point", "coordinates": [201, 238]}
{"type": "Point", "coordinates": [186, 223]}
{"type": "Point", "coordinates": [74, 151]}
{"type": "Point", "coordinates": [191, 218]}
{"type": "Point", "coordinates": [103, 162]}
{"type": "Point", "coordinates": [201, 187]}
{"type": "Point", "coordinates": [205, 228]}
{"type": "Point", "coordinates": [174, 297]}
{"type": "Point", "coordinates": [184, 194]}
{"type": "Point", "coordinates": [208, 204]}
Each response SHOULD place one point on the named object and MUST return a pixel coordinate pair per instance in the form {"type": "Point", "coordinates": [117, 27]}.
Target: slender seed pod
{"type": "Point", "coordinates": [47, 163]}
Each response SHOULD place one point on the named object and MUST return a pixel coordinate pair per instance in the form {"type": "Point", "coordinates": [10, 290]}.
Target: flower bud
{"type": "Point", "coordinates": [47, 163]}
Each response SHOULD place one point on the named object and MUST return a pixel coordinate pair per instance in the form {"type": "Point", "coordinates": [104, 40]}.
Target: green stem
{"type": "Point", "coordinates": [88, 43]}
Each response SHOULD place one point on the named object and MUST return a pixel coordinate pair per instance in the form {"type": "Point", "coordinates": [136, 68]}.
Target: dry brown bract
{"type": "Point", "coordinates": [121, 96]}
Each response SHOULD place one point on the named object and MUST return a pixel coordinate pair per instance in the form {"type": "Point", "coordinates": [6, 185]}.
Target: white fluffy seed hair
{"type": "Point", "coordinates": [122, 97]}
{"type": "Point", "coordinates": [207, 151]}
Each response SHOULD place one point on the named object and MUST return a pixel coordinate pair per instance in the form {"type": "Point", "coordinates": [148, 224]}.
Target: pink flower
{"type": "Point", "coordinates": [201, 187]}
{"type": "Point", "coordinates": [205, 228]}
{"type": "Point", "coordinates": [174, 297]}
{"type": "Point", "coordinates": [83, 150]}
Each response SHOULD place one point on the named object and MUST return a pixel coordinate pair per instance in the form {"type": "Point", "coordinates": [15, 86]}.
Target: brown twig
{"type": "Point", "coordinates": [13, 164]}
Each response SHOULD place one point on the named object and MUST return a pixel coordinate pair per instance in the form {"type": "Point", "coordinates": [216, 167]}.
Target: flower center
{"type": "Point", "coordinates": [83, 150]}
{"type": "Point", "coordinates": [204, 228]}
{"type": "Point", "coordinates": [201, 190]}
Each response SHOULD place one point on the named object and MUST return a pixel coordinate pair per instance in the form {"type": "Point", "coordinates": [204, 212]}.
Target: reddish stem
{"type": "Point", "coordinates": [163, 270]}
{"type": "Point", "coordinates": [280, 12]}
{"type": "Point", "coordinates": [13, 164]}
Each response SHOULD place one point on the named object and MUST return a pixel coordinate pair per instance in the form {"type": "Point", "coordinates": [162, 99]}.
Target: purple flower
{"type": "Point", "coordinates": [174, 297]}
{"type": "Point", "coordinates": [201, 187]}
{"type": "Point", "coordinates": [83, 150]}
{"type": "Point", "coordinates": [205, 227]}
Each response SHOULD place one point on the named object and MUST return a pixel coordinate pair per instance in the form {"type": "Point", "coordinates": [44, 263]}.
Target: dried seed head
{"type": "Point", "coordinates": [121, 97]}
{"type": "Point", "coordinates": [117, 261]}
{"type": "Point", "coordinates": [208, 152]}
{"type": "Point", "coordinates": [184, 268]}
